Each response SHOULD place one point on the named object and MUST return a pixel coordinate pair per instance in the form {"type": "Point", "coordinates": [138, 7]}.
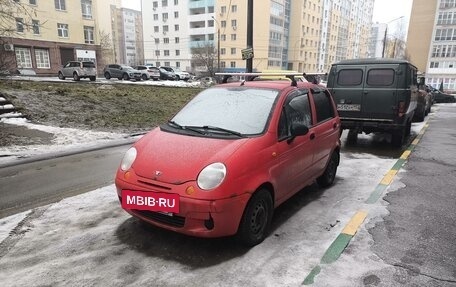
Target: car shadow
{"type": "Point", "coordinates": [203, 252]}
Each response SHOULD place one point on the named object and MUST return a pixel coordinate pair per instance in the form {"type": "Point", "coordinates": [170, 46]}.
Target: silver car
{"type": "Point", "coordinates": [78, 70]}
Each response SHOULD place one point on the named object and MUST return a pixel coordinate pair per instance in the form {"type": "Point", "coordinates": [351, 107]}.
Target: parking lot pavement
{"type": "Point", "coordinates": [410, 240]}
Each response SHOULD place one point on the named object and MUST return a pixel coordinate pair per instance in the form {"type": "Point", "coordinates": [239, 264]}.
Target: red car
{"type": "Point", "coordinates": [235, 152]}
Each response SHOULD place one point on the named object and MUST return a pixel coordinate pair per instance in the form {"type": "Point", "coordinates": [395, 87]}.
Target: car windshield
{"type": "Point", "coordinates": [126, 67]}
{"type": "Point", "coordinates": [237, 109]}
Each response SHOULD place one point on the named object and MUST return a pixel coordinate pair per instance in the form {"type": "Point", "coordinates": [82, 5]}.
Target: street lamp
{"type": "Point", "coordinates": [218, 44]}
{"type": "Point", "coordinates": [386, 32]}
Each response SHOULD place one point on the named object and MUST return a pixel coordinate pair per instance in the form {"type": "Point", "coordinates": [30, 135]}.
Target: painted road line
{"type": "Point", "coordinates": [388, 178]}
{"type": "Point", "coordinates": [338, 246]}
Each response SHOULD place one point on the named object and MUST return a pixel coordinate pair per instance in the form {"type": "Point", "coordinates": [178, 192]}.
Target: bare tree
{"type": "Point", "coordinates": [205, 56]}
{"type": "Point", "coordinates": [107, 51]}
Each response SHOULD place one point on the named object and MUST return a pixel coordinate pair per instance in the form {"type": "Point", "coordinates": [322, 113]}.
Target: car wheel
{"type": "Point", "coordinates": [177, 78]}
{"type": "Point", "coordinates": [76, 77]}
{"type": "Point", "coordinates": [61, 76]}
{"type": "Point", "coordinates": [125, 76]}
{"type": "Point", "coordinates": [144, 77]}
{"type": "Point", "coordinates": [107, 76]}
{"type": "Point", "coordinates": [93, 78]}
{"type": "Point", "coordinates": [256, 218]}
{"type": "Point", "coordinates": [397, 137]}
{"type": "Point", "coordinates": [328, 176]}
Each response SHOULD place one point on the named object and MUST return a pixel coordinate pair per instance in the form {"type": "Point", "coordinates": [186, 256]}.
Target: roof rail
{"type": "Point", "coordinates": [252, 76]}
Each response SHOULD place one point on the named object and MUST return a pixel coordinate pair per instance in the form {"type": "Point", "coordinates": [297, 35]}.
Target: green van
{"type": "Point", "coordinates": [375, 95]}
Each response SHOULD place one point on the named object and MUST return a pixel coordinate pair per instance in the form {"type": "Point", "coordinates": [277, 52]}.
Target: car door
{"type": "Point", "coordinates": [294, 155]}
{"type": "Point", "coordinates": [67, 70]}
{"type": "Point", "coordinates": [325, 132]}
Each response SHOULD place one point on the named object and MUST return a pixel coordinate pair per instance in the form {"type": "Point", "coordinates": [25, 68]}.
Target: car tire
{"type": "Point", "coordinates": [125, 77]}
{"type": "Point", "coordinates": [93, 78]}
{"type": "Point", "coordinates": [144, 77]}
{"type": "Point", "coordinates": [107, 76]}
{"type": "Point", "coordinates": [177, 78]}
{"type": "Point", "coordinates": [352, 136]}
{"type": "Point", "coordinates": [329, 175]}
{"type": "Point", "coordinates": [397, 137]}
{"type": "Point", "coordinates": [256, 219]}
{"type": "Point", "coordinates": [76, 77]}
{"type": "Point", "coordinates": [61, 76]}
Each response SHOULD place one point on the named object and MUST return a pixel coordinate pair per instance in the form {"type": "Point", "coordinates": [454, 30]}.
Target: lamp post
{"type": "Point", "coordinates": [386, 32]}
{"type": "Point", "coordinates": [218, 44]}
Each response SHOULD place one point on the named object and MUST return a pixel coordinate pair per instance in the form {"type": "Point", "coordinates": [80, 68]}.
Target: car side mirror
{"type": "Point", "coordinates": [297, 129]}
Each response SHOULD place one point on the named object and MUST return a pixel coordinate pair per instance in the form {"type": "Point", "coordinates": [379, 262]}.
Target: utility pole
{"type": "Point", "coordinates": [218, 44]}
{"type": "Point", "coordinates": [249, 61]}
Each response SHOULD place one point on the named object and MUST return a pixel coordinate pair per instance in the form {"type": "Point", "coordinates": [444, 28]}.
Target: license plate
{"type": "Point", "coordinates": [161, 202]}
{"type": "Point", "coordinates": [348, 107]}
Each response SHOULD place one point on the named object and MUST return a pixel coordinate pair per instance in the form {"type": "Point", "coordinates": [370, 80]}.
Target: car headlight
{"type": "Point", "coordinates": [211, 176]}
{"type": "Point", "coordinates": [128, 159]}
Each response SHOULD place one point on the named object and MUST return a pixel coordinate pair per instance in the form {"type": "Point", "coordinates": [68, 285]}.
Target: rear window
{"type": "Point", "coordinates": [88, 65]}
{"type": "Point", "coordinates": [350, 77]}
{"type": "Point", "coordinates": [380, 77]}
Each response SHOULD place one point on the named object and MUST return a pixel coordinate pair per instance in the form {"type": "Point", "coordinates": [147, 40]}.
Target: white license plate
{"type": "Point", "coordinates": [348, 107]}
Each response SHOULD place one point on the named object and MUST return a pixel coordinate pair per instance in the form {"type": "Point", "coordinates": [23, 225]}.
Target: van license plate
{"type": "Point", "coordinates": [348, 107]}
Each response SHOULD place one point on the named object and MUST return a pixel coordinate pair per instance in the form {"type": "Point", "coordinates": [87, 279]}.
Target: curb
{"type": "Point", "coordinates": [338, 246]}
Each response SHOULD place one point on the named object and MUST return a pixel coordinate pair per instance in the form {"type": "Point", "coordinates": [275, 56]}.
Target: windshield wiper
{"type": "Point", "coordinates": [223, 130]}
{"type": "Point", "coordinates": [178, 126]}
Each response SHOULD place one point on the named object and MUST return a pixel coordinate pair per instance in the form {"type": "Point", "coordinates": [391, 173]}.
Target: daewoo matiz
{"type": "Point", "coordinates": [235, 152]}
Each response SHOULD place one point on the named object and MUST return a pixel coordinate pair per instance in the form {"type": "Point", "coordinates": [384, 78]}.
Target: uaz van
{"type": "Point", "coordinates": [375, 95]}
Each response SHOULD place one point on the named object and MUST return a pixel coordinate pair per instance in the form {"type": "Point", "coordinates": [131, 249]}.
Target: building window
{"type": "Point", "coordinates": [32, 2]}
{"type": "Point", "coordinates": [165, 28]}
{"type": "Point", "coordinates": [176, 2]}
{"type": "Point", "coordinates": [155, 17]}
{"type": "Point", "coordinates": [164, 3]}
{"type": "Point", "coordinates": [155, 4]}
{"type": "Point", "coordinates": [42, 59]}
{"type": "Point", "coordinates": [223, 51]}
{"type": "Point", "coordinates": [223, 9]}
{"type": "Point", "coordinates": [233, 51]}
{"type": "Point", "coordinates": [36, 27]}
{"type": "Point", "coordinates": [86, 7]}
{"type": "Point", "coordinates": [222, 65]}
{"type": "Point", "coordinates": [60, 5]}
{"type": "Point", "coordinates": [223, 37]}
{"type": "Point", "coordinates": [88, 35]}
{"type": "Point", "coordinates": [157, 41]}
{"type": "Point", "coordinates": [157, 53]}
{"type": "Point", "coordinates": [62, 30]}
{"type": "Point", "coordinates": [176, 27]}
{"type": "Point", "coordinates": [166, 52]}
{"type": "Point", "coordinates": [167, 64]}
{"type": "Point", "coordinates": [178, 52]}
{"type": "Point", "coordinates": [20, 25]}
{"type": "Point", "coordinates": [234, 8]}
{"type": "Point", "coordinates": [156, 29]}
{"type": "Point", "coordinates": [178, 64]}
{"type": "Point", "coordinates": [223, 24]}
{"type": "Point", "coordinates": [233, 64]}
{"type": "Point", "coordinates": [176, 14]}
{"type": "Point", "coordinates": [176, 40]}
{"type": "Point", "coordinates": [23, 58]}
{"type": "Point", "coordinates": [166, 40]}
{"type": "Point", "coordinates": [233, 23]}
{"type": "Point", "coordinates": [165, 16]}
{"type": "Point", "coordinates": [233, 37]}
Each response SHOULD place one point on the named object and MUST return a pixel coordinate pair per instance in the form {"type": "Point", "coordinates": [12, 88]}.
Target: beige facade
{"type": "Point", "coordinates": [420, 32]}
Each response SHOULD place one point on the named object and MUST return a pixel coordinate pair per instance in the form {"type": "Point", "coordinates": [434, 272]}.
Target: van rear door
{"type": "Point", "coordinates": [346, 84]}
{"type": "Point", "coordinates": [380, 91]}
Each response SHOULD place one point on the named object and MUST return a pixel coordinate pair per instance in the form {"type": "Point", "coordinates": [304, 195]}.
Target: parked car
{"type": "Point", "coordinates": [121, 72]}
{"type": "Point", "coordinates": [180, 75]}
{"type": "Point", "coordinates": [423, 105]}
{"type": "Point", "coordinates": [441, 97]}
{"type": "Point", "coordinates": [235, 152]}
{"type": "Point", "coordinates": [167, 75]}
{"type": "Point", "coordinates": [144, 72]}
{"type": "Point", "coordinates": [78, 70]}
{"type": "Point", "coordinates": [375, 95]}
{"type": "Point", "coordinates": [153, 72]}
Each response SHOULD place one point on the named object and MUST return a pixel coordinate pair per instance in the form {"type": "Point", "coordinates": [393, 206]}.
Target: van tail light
{"type": "Point", "coordinates": [401, 111]}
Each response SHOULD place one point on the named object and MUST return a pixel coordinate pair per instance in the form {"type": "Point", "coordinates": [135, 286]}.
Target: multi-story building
{"type": "Point", "coordinates": [431, 41]}
{"type": "Point", "coordinates": [40, 36]}
{"type": "Point", "coordinates": [377, 40]}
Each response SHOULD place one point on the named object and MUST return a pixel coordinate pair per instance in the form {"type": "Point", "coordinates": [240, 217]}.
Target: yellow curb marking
{"type": "Point", "coordinates": [415, 141]}
{"type": "Point", "coordinates": [388, 178]}
{"type": "Point", "coordinates": [406, 154]}
{"type": "Point", "coordinates": [354, 223]}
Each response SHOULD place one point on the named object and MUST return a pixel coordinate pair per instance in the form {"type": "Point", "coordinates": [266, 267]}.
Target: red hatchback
{"type": "Point", "coordinates": [235, 152]}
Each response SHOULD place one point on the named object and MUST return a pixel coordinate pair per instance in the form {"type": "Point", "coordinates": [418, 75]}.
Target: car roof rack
{"type": "Point", "coordinates": [252, 76]}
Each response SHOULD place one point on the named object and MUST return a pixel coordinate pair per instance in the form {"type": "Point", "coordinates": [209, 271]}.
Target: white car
{"type": "Point", "coordinates": [180, 75]}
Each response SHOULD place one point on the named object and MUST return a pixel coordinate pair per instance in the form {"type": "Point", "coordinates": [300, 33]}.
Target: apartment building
{"type": "Point", "coordinates": [431, 41]}
{"type": "Point", "coordinates": [377, 40]}
{"type": "Point", "coordinates": [39, 36]}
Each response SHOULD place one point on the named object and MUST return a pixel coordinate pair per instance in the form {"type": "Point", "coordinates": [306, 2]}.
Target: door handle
{"type": "Point", "coordinates": [312, 136]}
{"type": "Point", "coordinates": [334, 125]}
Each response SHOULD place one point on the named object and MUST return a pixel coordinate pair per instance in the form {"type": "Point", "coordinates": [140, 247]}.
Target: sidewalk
{"type": "Point", "coordinates": [414, 244]}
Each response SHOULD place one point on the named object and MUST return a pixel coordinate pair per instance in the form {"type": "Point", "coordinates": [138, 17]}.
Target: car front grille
{"type": "Point", "coordinates": [175, 221]}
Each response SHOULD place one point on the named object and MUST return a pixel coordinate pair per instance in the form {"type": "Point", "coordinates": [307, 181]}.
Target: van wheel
{"type": "Point", "coordinates": [61, 76]}
{"type": "Point", "coordinates": [256, 219]}
{"type": "Point", "coordinates": [397, 137]}
{"type": "Point", "coordinates": [327, 178]}
{"type": "Point", "coordinates": [352, 136]}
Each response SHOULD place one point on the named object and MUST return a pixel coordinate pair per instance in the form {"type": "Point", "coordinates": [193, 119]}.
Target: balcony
{"type": "Point", "coordinates": [200, 3]}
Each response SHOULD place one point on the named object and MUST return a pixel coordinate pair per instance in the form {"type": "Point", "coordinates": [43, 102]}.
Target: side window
{"type": "Point", "coordinates": [295, 110]}
{"type": "Point", "coordinates": [350, 77]}
{"type": "Point", "coordinates": [380, 77]}
{"type": "Point", "coordinates": [324, 106]}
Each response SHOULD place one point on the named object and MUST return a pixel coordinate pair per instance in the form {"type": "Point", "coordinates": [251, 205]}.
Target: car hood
{"type": "Point", "coordinates": [176, 158]}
